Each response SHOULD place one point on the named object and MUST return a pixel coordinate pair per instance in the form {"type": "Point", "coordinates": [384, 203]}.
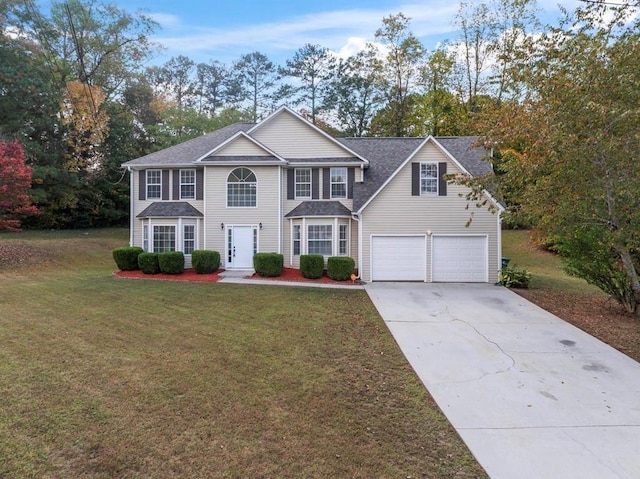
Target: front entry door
{"type": "Point", "coordinates": [241, 245]}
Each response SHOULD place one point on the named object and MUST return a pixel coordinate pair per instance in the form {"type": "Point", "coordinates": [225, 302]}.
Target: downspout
{"type": "Point", "coordinates": [281, 200]}
{"type": "Point", "coordinates": [356, 218]}
{"type": "Point", "coordinates": [130, 205]}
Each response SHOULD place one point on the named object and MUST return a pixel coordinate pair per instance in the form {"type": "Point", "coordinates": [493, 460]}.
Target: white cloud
{"type": "Point", "coordinates": [166, 20]}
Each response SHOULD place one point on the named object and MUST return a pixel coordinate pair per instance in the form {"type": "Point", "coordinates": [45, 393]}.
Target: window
{"type": "Point", "coordinates": [241, 188]}
{"type": "Point", "coordinates": [145, 237]}
{"type": "Point", "coordinates": [296, 240]}
{"type": "Point", "coordinates": [428, 178]}
{"type": "Point", "coordinates": [303, 182]}
{"type": "Point", "coordinates": [188, 239]}
{"type": "Point", "coordinates": [343, 240]}
{"type": "Point", "coordinates": [319, 239]}
{"type": "Point", "coordinates": [154, 184]}
{"type": "Point", "coordinates": [164, 238]}
{"type": "Point", "coordinates": [187, 184]}
{"type": "Point", "coordinates": [338, 182]}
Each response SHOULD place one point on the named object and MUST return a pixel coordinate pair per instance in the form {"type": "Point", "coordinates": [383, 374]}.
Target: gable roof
{"type": "Point", "coordinates": [241, 136]}
{"type": "Point", "coordinates": [185, 153]}
{"type": "Point", "coordinates": [387, 155]}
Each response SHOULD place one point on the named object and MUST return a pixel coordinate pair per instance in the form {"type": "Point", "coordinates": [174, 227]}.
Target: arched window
{"type": "Point", "coordinates": [241, 188]}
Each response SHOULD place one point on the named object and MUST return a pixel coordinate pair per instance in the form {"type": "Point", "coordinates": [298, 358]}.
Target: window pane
{"type": "Point", "coordinates": [343, 240]}
{"type": "Point", "coordinates": [154, 182]}
{"type": "Point", "coordinates": [428, 178]}
{"type": "Point", "coordinates": [189, 239]}
{"type": "Point", "coordinates": [187, 184]}
{"type": "Point", "coordinates": [320, 239]}
{"type": "Point", "coordinates": [303, 182]}
{"type": "Point", "coordinates": [164, 238]}
{"type": "Point", "coordinates": [296, 239]}
{"type": "Point", "coordinates": [338, 182]}
{"type": "Point", "coordinates": [241, 188]}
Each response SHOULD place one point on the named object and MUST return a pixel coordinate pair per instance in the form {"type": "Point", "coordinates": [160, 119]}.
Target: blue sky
{"type": "Point", "coordinates": [223, 30]}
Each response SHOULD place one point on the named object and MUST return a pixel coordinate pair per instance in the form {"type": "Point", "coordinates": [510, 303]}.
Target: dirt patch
{"type": "Point", "coordinates": [601, 317]}
{"type": "Point", "coordinates": [19, 253]}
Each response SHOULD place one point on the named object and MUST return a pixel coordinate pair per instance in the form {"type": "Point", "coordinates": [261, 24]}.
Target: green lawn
{"type": "Point", "coordinates": [546, 267]}
{"type": "Point", "coordinates": [104, 377]}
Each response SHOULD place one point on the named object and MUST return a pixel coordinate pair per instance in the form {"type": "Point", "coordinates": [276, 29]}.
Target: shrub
{"type": "Point", "coordinates": [268, 264]}
{"type": "Point", "coordinates": [204, 261]}
{"type": "Point", "coordinates": [126, 257]}
{"type": "Point", "coordinates": [171, 262]}
{"type": "Point", "coordinates": [148, 263]}
{"type": "Point", "coordinates": [340, 268]}
{"type": "Point", "coordinates": [311, 265]}
{"type": "Point", "coordinates": [514, 277]}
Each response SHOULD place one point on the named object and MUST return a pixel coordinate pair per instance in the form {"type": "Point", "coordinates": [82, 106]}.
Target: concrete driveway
{"type": "Point", "coordinates": [531, 395]}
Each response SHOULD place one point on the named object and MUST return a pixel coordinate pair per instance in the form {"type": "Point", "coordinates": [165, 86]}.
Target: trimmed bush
{"type": "Point", "coordinates": [340, 268]}
{"type": "Point", "coordinates": [205, 261]}
{"type": "Point", "coordinates": [148, 263]}
{"type": "Point", "coordinates": [514, 277]}
{"type": "Point", "coordinates": [268, 264]}
{"type": "Point", "coordinates": [126, 257]}
{"type": "Point", "coordinates": [171, 262]}
{"type": "Point", "coordinates": [311, 265]}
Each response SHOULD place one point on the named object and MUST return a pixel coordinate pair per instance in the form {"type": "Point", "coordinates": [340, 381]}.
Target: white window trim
{"type": "Point", "coordinates": [148, 183]}
{"type": "Point", "coordinates": [296, 183]}
{"type": "Point", "coordinates": [424, 164]}
{"type": "Point", "coordinates": [346, 240]}
{"type": "Point", "coordinates": [238, 183]}
{"type": "Point", "coordinates": [153, 235]}
{"type": "Point", "coordinates": [330, 240]}
{"type": "Point", "coordinates": [192, 170]}
{"type": "Point", "coordinates": [195, 237]}
{"type": "Point", "coordinates": [345, 183]}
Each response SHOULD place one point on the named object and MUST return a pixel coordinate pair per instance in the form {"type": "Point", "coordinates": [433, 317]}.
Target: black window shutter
{"type": "Point", "coordinates": [315, 183]}
{"type": "Point", "coordinates": [326, 183]}
{"type": "Point", "coordinates": [415, 179]}
{"type": "Point", "coordinates": [165, 184]}
{"type": "Point", "coordinates": [291, 184]}
{"type": "Point", "coordinates": [142, 186]}
{"type": "Point", "coordinates": [351, 178]}
{"type": "Point", "coordinates": [442, 183]}
{"type": "Point", "coordinates": [176, 184]}
{"type": "Point", "coordinates": [199, 183]}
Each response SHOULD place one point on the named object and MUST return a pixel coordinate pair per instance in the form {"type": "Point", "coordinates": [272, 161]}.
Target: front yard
{"type": "Point", "coordinates": [104, 377]}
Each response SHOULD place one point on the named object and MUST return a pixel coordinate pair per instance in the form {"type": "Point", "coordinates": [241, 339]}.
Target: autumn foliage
{"type": "Point", "coordinates": [15, 181]}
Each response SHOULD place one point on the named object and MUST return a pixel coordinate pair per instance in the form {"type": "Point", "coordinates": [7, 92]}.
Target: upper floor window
{"type": "Point", "coordinates": [428, 178]}
{"type": "Point", "coordinates": [241, 188]}
{"type": "Point", "coordinates": [303, 182]}
{"type": "Point", "coordinates": [187, 184]}
{"type": "Point", "coordinates": [154, 184]}
{"type": "Point", "coordinates": [338, 183]}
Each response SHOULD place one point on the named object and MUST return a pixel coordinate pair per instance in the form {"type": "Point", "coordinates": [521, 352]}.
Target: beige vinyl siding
{"type": "Point", "coordinates": [266, 212]}
{"type": "Point", "coordinates": [241, 146]}
{"type": "Point", "coordinates": [290, 137]}
{"type": "Point", "coordinates": [395, 212]}
{"type": "Point", "coordinates": [140, 205]}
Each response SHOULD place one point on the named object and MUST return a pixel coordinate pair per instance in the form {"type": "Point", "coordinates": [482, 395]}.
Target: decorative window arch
{"type": "Point", "coordinates": [242, 188]}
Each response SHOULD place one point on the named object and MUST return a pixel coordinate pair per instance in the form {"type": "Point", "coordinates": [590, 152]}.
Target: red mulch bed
{"type": "Point", "coordinates": [188, 275]}
{"type": "Point", "coordinates": [291, 274]}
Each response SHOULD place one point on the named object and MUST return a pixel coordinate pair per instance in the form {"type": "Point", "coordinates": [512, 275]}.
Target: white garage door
{"type": "Point", "coordinates": [398, 258]}
{"type": "Point", "coordinates": [460, 259]}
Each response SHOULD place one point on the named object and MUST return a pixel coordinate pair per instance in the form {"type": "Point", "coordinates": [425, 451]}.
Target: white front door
{"type": "Point", "coordinates": [242, 242]}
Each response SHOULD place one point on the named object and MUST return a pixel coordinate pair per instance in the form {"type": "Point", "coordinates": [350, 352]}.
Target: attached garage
{"type": "Point", "coordinates": [460, 259]}
{"type": "Point", "coordinates": [398, 258]}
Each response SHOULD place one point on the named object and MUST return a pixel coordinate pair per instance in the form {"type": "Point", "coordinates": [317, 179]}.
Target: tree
{"type": "Point", "coordinates": [355, 92]}
{"type": "Point", "coordinates": [258, 77]}
{"type": "Point", "coordinates": [213, 85]}
{"type": "Point", "coordinates": [313, 67]}
{"type": "Point", "coordinates": [177, 77]}
{"type": "Point", "coordinates": [577, 135]}
{"type": "Point", "coordinates": [15, 181]}
{"type": "Point", "coordinates": [403, 55]}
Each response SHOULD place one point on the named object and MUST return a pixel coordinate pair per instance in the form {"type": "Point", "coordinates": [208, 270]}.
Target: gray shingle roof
{"type": "Point", "coordinates": [170, 209]}
{"type": "Point", "coordinates": [191, 150]}
{"type": "Point", "coordinates": [319, 208]}
{"type": "Point", "coordinates": [385, 156]}
{"type": "Point", "coordinates": [319, 160]}
{"type": "Point", "coordinates": [242, 159]}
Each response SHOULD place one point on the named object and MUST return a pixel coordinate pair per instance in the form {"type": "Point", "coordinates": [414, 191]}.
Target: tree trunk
{"type": "Point", "coordinates": [632, 274]}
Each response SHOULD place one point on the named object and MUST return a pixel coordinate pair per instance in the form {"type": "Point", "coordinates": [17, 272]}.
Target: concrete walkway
{"type": "Point", "coordinates": [532, 396]}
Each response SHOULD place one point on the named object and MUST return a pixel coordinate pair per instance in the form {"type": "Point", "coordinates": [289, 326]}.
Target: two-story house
{"type": "Point", "coordinates": [283, 185]}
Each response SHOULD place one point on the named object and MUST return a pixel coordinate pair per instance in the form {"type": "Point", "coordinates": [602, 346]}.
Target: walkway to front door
{"type": "Point", "coordinates": [242, 244]}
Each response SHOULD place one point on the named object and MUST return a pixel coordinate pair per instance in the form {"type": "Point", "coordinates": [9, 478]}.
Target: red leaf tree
{"type": "Point", "coordinates": [15, 181]}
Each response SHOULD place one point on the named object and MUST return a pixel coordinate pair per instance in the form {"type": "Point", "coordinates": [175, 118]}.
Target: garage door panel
{"type": "Point", "coordinates": [460, 259]}
{"type": "Point", "coordinates": [398, 258]}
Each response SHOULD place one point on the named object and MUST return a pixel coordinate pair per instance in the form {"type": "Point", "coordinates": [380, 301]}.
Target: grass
{"type": "Point", "coordinates": [105, 377]}
{"type": "Point", "coordinates": [546, 267]}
